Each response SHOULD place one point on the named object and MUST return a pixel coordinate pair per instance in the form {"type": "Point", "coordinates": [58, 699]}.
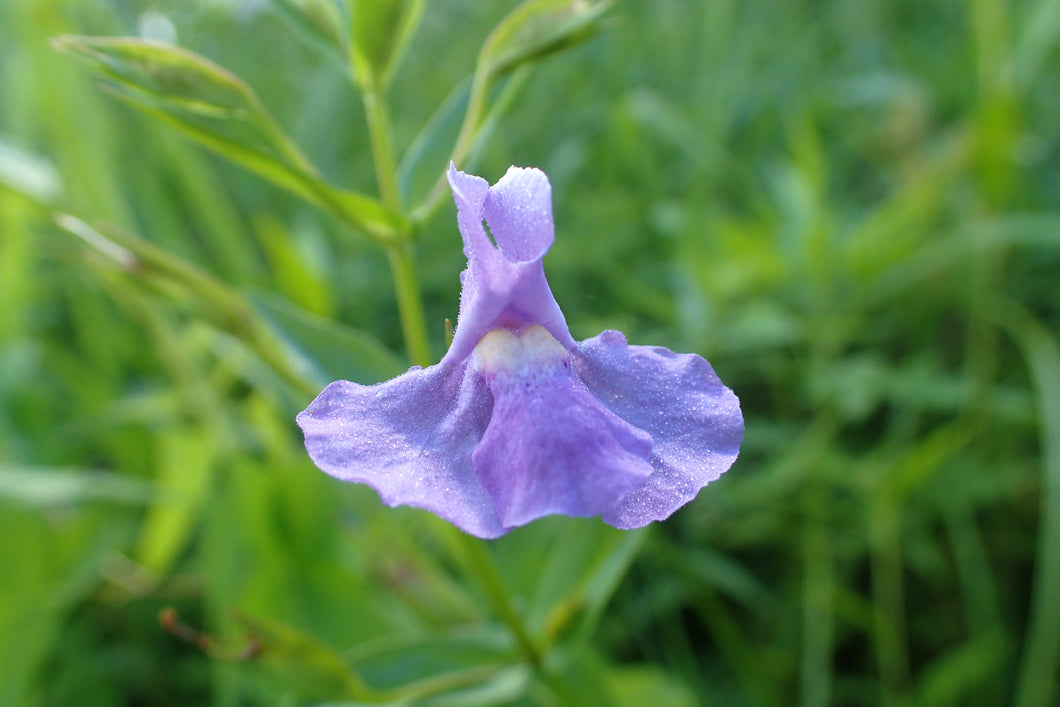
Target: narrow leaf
{"type": "Point", "coordinates": [185, 463]}
{"type": "Point", "coordinates": [637, 685]}
{"type": "Point", "coordinates": [538, 28]}
{"type": "Point", "coordinates": [305, 660]}
{"type": "Point", "coordinates": [46, 488]}
{"type": "Point", "coordinates": [381, 30]}
{"type": "Point", "coordinates": [216, 108]}
{"type": "Point", "coordinates": [223, 306]}
{"type": "Point", "coordinates": [531, 31]}
{"type": "Point", "coordinates": [29, 175]}
{"type": "Point", "coordinates": [959, 674]}
{"type": "Point", "coordinates": [320, 21]}
{"type": "Point", "coordinates": [326, 350]}
{"type": "Point", "coordinates": [1041, 653]}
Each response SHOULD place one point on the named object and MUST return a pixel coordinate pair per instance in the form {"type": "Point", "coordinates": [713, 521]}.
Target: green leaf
{"type": "Point", "coordinates": [634, 686]}
{"type": "Point", "coordinates": [536, 29]}
{"type": "Point", "coordinates": [454, 666]}
{"type": "Point", "coordinates": [1036, 41]}
{"type": "Point", "coordinates": [324, 350]}
{"type": "Point", "coordinates": [532, 30]}
{"type": "Point", "coordinates": [578, 674]}
{"type": "Point", "coordinates": [505, 686]}
{"type": "Point", "coordinates": [216, 108]}
{"type": "Point", "coordinates": [297, 276]}
{"type": "Point", "coordinates": [419, 168]}
{"type": "Point", "coordinates": [46, 488]}
{"type": "Point", "coordinates": [53, 561]}
{"type": "Point", "coordinates": [381, 30]}
{"type": "Point", "coordinates": [567, 570]}
{"type": "Point", "coordinates": [29, 175]}
{"type": "Point", "coordinates": [282, 336]}
{"type": "Point", "coordinates": [185, 459]}
{"type": "Point", "coordinates": [163, 269]}
{"type": "Point", "coordinates": [304, 661]}
{"type": "Point", "coordinates": [320, 21]}
{"type": "Point", "coordinates": [1041, 649]}
{"type": "Point", "coordinates": [957, 675]}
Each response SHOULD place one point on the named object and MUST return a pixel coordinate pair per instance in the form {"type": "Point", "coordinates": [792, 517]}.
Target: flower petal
{"type": "Point", "coordinates": [410, 439]}
{"type": "Point", "coordinates": [469, 193]}
{"type": "Point", "coordinates": [499, 288]}
{"type": "Point", "coordinates": [518, 210]}
{"type": "Point", "coordinates": [551, 447]}
{"type": "Point", "coordinates": [694, 420]}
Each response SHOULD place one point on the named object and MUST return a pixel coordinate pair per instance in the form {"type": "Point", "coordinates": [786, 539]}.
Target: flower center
{"type": "Point", "coordinates": [521, 352]}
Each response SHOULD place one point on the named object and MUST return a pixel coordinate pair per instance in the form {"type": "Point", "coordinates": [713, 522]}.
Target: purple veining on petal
{"type": "Point", "coordinates": [550, 446]}
{"type": "Point", "coordinates": [410, 439]}
{"type": "Point", "coordinates": [694, 420]}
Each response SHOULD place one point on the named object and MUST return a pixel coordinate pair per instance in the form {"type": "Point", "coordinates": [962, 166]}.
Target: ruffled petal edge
{"type": "Point", "coordinates": [694, 420]}
{"type": "Point", "coordinates": [410, 439]}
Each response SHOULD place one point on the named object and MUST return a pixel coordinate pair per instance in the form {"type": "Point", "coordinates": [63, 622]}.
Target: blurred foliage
{"type": "Point", "coordinates": [851, 208]}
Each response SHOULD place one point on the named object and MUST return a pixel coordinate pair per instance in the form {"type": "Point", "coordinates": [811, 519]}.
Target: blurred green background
{"type": "Point", "coordinates": [851, 208]}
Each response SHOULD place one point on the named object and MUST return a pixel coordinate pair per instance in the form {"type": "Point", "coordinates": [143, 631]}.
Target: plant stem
{"type": "Point", "coordinates": [480, 565]}
{"type": "Point", "coordinates": [414, 330]}
{"type": "Point", "coordinates": [410, 305]}
{"type": "Point", "coordinates": [377, 115]}
{"type": "Point", "coordinates": [889, 595]}
{"type": "Point", "coordinates": [1041, 648]}
{"type": "Point", "coordinates": [815, 682]}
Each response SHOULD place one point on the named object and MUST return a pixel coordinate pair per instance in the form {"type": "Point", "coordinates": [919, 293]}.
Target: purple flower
{"type": "Point", "coordinates": [519, 420]}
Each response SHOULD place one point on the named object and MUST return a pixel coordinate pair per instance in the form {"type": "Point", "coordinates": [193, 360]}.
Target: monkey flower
{"type": "Point", "coordinates": [519, 420]}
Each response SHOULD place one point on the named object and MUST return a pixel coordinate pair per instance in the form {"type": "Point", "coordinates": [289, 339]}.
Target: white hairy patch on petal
{"type": "Point", "coordinates": [521, 352]}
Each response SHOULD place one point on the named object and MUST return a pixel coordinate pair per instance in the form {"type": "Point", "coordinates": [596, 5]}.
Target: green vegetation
{"type": "Point", "coordinates": [851, 208]}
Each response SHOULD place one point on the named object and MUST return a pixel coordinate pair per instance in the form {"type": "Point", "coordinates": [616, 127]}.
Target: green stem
{"type": "Point", "coordinates": [815, 682]}
{"type": "Point", "coordinates": [377, 115]}
{"type": "Point", "coordinates": [1041, 650]}
{"type": "Point", "coordinates": [888, 592]}
{"type": "Point", "coordinates": [410, 305]}
{"type": "Point", "coordinates": [480, 565]}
